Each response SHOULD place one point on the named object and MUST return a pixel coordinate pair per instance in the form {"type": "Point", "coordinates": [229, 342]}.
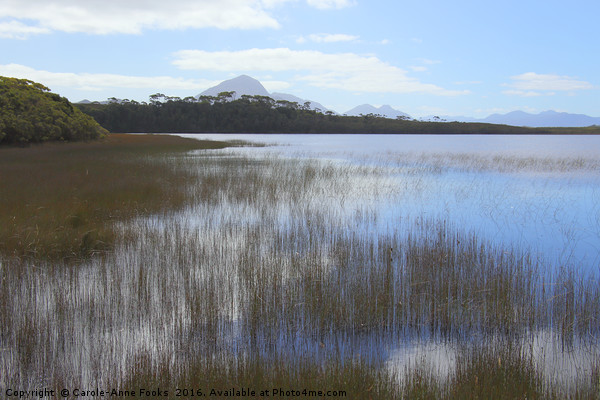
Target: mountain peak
{"type": "Point", "coordinates": [241, 85]}
{"type": "Point", "coordinates": [247, 85]}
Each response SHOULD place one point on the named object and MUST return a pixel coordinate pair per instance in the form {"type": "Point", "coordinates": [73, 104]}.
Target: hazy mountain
{"type": "Point", "coordinates": [241, 85]}
{"type": "Point", "coordinates": [386, 111]}
{"type": "Point", "coordinates": [86, 101]}
{"type": "Point", "coordinates": [112, 100]}
{"type": "Point", "coordinates": [290, 97]}
{"type": "Point", "coordinates": [246, 85]}
{"type": "Point", "coordinates": [541, 120]}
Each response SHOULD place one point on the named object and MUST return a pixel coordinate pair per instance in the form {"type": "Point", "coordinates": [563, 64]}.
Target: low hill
{"type": "Point", "coordinates": [30, 113]}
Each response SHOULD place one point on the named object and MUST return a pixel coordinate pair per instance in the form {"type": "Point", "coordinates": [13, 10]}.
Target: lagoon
{"type": "Point", "coordinates": [328, 261]}
{"type": "Point", "coordinates": [537, 193]}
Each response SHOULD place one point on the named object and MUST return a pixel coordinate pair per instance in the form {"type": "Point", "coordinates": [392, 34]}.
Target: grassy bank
{"type": "Point", "coordinates": [60, 200]}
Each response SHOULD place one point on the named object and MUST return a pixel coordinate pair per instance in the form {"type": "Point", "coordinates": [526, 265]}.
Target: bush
{"type": "Point", "coordinates": [30, 113]}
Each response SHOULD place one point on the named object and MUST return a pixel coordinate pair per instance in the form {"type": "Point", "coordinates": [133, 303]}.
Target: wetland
{"type": "Point", "coordinates": [377, 266]}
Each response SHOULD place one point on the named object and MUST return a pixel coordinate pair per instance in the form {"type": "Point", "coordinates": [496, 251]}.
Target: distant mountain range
{"type": "Point", "coordinates": [246, 85]}
{"type": "Point", "coordinates": [542, 120]}
{"type": "Point", "coordinates": [385, 111]}
{"type": "Point", "coordinates": [546, 119]}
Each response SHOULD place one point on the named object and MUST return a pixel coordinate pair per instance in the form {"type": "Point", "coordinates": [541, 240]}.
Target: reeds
{"type": "Point", "coordinates": [280, 273]}
{"type": "Point", "coordinates": [59, 201]}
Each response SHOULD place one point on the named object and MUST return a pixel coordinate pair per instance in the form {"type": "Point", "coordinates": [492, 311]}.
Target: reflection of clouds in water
{"type": "Point", "coordinates": [518, 145]}
{"type": "Point", "coordinates": [563, 364]}
{"type": "Point", "coordinates": [534, 193]}
{"type": "Point", "coordinates": [437, 358]}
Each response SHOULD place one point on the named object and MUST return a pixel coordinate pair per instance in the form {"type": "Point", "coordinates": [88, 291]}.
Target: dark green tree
{"type": "Point", "coordinates": [30, 113]}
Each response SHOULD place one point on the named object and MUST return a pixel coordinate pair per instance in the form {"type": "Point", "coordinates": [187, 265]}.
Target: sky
{"type": "Point", "coordinates": [427, 57]}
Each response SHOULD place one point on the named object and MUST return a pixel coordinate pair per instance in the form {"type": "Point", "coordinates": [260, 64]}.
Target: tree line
{"type": "Point", "coordinates": [227, 113]}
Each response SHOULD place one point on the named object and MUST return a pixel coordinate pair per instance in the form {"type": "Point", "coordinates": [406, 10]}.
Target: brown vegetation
{"type": "Point", "coordinates": [60, 200]}
{"type": "Point", "coordinates": [272, 274]}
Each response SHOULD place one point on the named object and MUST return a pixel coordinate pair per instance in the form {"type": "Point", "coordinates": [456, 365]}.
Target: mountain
{"type": "Point", "coordinates": [542, 120]}
{"type": "Point", "coordinates": [246, 85]}
{"type": "Point", "coordinates": [241, 85]}
{"type": "Point", "coordinates": [385, 111]}
{"type": "Point", "coordinates": [290, 97]}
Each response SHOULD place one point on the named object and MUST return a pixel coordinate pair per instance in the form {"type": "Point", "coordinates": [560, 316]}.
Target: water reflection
{"type": "Point", "coordinates": [541, 193]}
{"type": "Point", "coordinates": [329, 254]}
{"type": "Point", "coordinates": [565, 365]}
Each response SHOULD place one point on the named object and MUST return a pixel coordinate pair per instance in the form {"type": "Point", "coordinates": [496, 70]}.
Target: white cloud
{"type": "Point", "coordinates": [22, 18]}
{"type": "Point", "coordinates": [532, 84]}
{"type": "Point", "coordinates": [326, 38]}
{"type": "Point", "coordinates": [18, 30]}
{"type": "Point", "coordinates": [329, 4]}
{"type": "Point", "coordinates": [524, 93]}
{"type": "Point", "coordinates": [331, 38]}
{"type": "Point", "coordinates": [133, 16]}
{"type": "Point", "coordinates": [468, 83]}
{"type": "Point", "coordinates": [85, 81]}
{"type": "Point", "coordinates": [347, 71]}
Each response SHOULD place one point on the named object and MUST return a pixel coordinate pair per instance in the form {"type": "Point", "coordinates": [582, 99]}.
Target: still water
{"type": "Point", "coordinates": [540, 194]}
{"type": "Point", "coordinates": [536, 195]}
{"type": "Point", "coordinates": [286, 254]}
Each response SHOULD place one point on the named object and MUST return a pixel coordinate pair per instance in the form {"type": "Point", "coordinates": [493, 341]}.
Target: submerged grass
{"type": "Point", "coordinates": [260, 378]}
{"type": "Point", "coordinates": [495, 370]}
{"type": "Point", "coordinates": [277, 274]}
{"type": "Point", "coordinates": [58, 201]}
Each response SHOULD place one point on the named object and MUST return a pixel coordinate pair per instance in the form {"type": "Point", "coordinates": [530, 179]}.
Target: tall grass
{"type": "Point", "coordinates": [277, 272]}
{"type": "Point", "coordinates": [58, 200]}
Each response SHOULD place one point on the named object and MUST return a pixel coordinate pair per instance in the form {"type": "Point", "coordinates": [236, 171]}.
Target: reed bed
{"type": "Point", "coordinates": [58, 201]}
{"type": "Point", "coordinates": [279, 273]}
{"type": "Point", "coordinates": [504, 163]}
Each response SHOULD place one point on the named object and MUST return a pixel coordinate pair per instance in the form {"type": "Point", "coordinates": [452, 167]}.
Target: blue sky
{"type": "Point", "coordinates": [426, 57]}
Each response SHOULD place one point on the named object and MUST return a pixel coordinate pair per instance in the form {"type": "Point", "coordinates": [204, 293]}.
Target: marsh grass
{"type": "Point", "coordinates": [491, 370]}
{"type": "Point", "coordinates": [505, 163]}
{"type": "Point", "coordinates": [495, 368]}
{"type": "Point", "coordinates": [276, 272]}
{"type": "Point", "coordinates": [304, 377]}
{"type": "Point", "coordinates": [58, 200]}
